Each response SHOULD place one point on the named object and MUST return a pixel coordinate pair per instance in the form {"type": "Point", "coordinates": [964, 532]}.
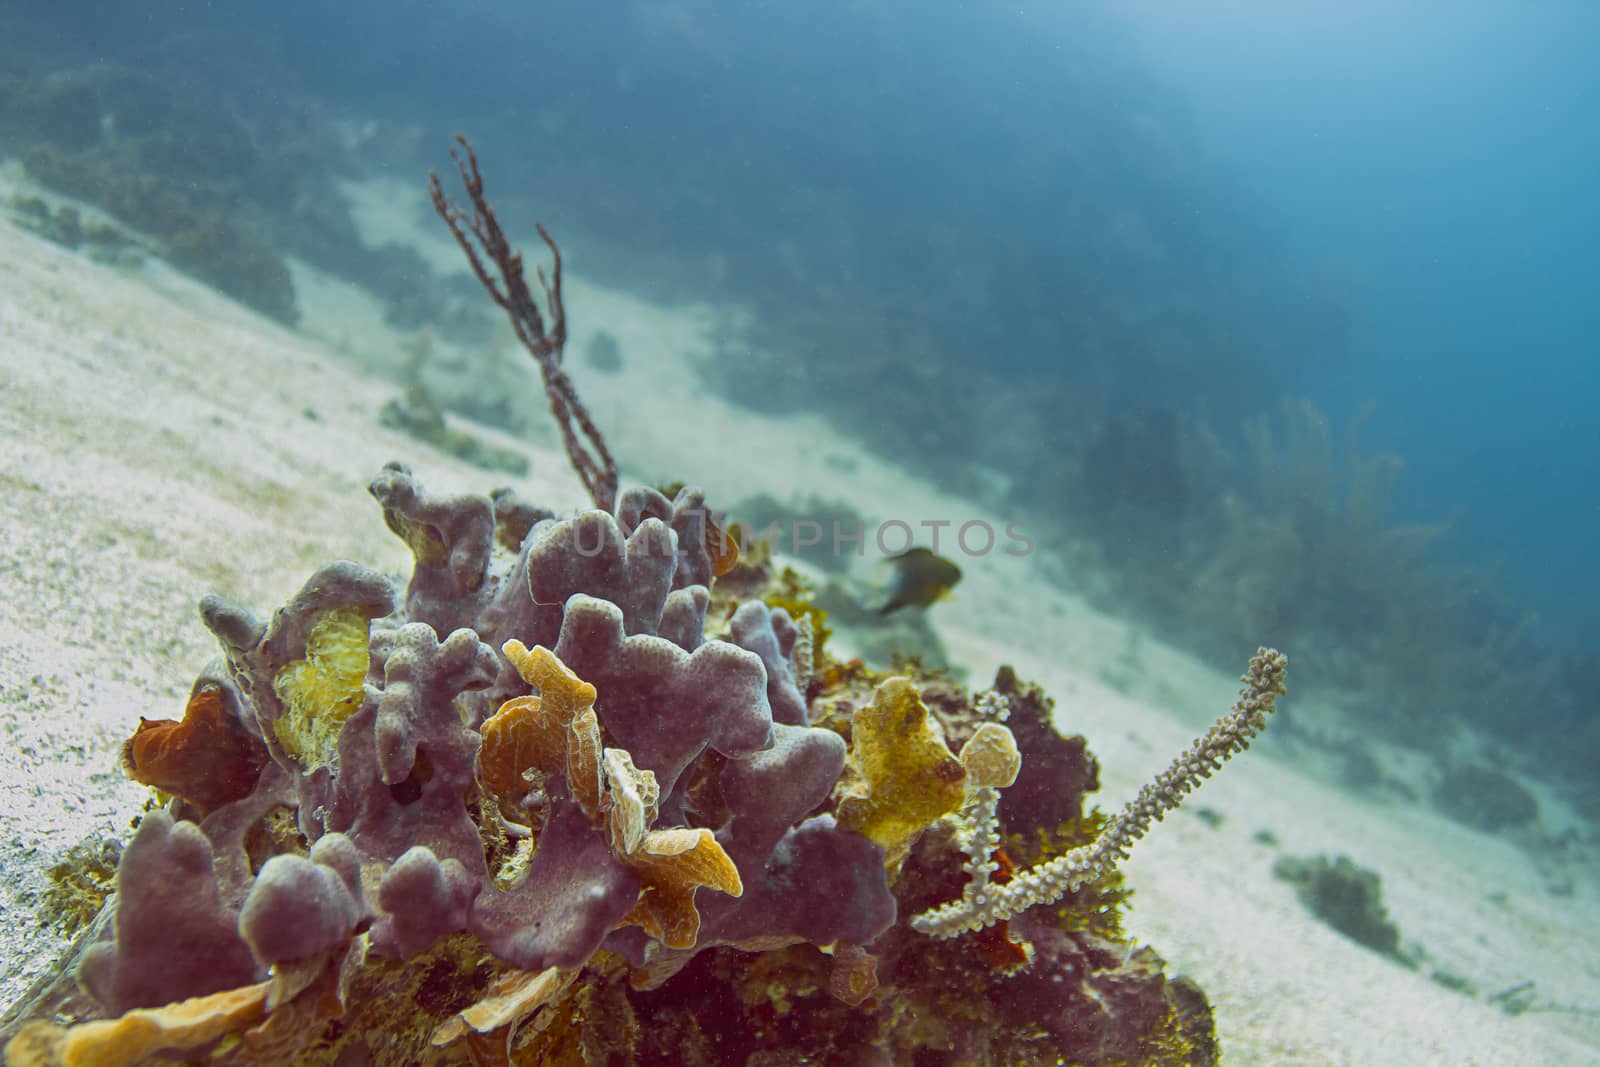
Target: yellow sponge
{"type": "Point", "coordinates": [323, 690]}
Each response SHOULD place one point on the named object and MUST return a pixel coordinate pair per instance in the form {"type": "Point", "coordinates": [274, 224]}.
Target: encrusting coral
{"type": "Point", "coordinates": [537, 809]}
{"type": "Point", "coordinates": [908, 776]}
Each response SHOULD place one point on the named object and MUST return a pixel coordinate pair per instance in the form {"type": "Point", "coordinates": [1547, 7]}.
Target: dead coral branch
{"type": "Point", "coordinates": [480, 237]}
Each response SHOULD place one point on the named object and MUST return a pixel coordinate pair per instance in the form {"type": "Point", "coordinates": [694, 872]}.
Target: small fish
{"type": "Point", "coordinates": [920, 578]}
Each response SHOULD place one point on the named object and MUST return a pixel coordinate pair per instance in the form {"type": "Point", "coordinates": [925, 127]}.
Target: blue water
{"type": "Point", "coordinates": [1441, 159]}
{"type": "Point", "coordinates": [1027, 222]}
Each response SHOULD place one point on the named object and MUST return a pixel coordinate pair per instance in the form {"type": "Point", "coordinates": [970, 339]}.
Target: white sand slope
{"type": "Point", "coordinates": [158, 443]}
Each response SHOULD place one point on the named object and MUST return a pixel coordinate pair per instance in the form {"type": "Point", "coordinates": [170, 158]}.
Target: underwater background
{"type": "Point", "coordinates": [1266, 322]}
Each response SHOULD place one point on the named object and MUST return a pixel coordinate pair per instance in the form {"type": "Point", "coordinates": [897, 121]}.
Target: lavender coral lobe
{"type": "Point", "coordinates": [394, 813]}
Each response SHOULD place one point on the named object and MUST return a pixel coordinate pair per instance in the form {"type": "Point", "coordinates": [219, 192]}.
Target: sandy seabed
{"type": "Point", "coordinates": [158, 443]}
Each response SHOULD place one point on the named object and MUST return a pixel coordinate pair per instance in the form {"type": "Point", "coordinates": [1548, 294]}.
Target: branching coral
{"type": "Point", "coordinates": [983, 904]}
{"type": "Point", "coordinates": [481, 231]}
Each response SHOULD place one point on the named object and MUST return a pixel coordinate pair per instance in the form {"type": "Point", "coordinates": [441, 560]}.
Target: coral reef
{"type": "Point", "coordinates": [470, 821]}
{"type": "Point", "coordinates": [1346, 896]}
{"type": "Point", "coordinates": [563, 826]}
{"type": "Point", "coordinates": [604, 352]}
{"type": "Point", "coordinates": [1485, 798]}
{"type": "Point", "coordinates": [1290, 526]}
{"type": "Point", "coordinates": [221, 178]}
{"type": "Point", "coordinates": [161, 162]}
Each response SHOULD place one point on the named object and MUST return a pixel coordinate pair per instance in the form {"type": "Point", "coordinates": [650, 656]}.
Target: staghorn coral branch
{"type": "Point", "coordinates": [480, 237]}
{"type": "Point", "coordinates": [992, 761]}
{"type": "Point", "coordinates": [984, 904]}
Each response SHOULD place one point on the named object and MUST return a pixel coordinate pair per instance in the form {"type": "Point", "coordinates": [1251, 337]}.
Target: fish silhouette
{"type": "Point", "coordinates": [920, 577]}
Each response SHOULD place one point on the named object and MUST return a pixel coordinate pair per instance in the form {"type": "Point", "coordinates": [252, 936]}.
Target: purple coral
{"type": "Point", "coordinates": [452, 539]}
{"type": "Point", "coordinates": [422, 900]}
{"type": "Point", "coordinates": [695, 525]}
{"type": "Point", "coordinates": [820, 883]}
{"type": "Point", "coordinates": [299, 907]}
{"type": "Point", "coordinates": [662, 704]}
{"type": "Point", "coordinates": [393, 816]}
{"type": "Point", "coordinates": [174, 937]}
{"type": "Point", "coordinates": [575, 894]}
{"type": "Point", "coordinates": [589, 554]}
{"type": "Point", "coordinates": [771, 635]}
{"type": "Point", "coordinates": [256, 652]}
{"type": "Point", "coordinates": [814, 881]}
{"type": "Point", "coordinates": [406, 759]}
